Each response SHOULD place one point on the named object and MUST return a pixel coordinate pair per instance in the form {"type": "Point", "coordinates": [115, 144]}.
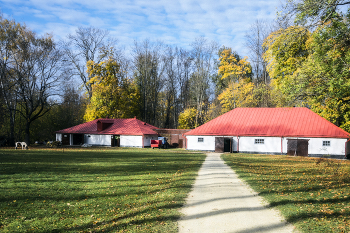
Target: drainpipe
{"type": "Point", "coordinates": [237, 144]}
{"type": "Point", "coordinates": [281, 145]}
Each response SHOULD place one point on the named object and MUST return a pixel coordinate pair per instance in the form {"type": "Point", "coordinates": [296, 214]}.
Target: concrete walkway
{"type": "Point", "coordinates": [221, 202]}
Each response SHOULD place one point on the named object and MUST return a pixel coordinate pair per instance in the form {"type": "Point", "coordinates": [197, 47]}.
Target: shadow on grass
{"type": "Point", "coordinates": [310, 194]}
{"type": "Point", "coordinates": [55, 181]}
{"type": "Point", "coordinates": [310, 201]}
{"type": "Point", "coordinates": [123, 222]}
{"type": "Point", "coordinates": [303, 216]}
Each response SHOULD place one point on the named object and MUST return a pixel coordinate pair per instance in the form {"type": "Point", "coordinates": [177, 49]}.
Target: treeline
{"type": "Point", "coordinates": [302, 59]}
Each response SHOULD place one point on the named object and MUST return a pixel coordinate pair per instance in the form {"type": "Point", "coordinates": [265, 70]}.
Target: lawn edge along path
{"type": "Point", "coordinates": [311, 193]}
{"type": "Point", "coordinates": [221, 202]}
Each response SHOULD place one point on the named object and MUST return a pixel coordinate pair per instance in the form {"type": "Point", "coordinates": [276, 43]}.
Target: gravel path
{"type": "Point", "coordinates": [221, 202]}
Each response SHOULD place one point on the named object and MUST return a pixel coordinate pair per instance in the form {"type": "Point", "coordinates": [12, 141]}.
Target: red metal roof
{"type": "Point", "coordinates": [270, 122]}
{"type": "Point", "coordinates": [129, 126]}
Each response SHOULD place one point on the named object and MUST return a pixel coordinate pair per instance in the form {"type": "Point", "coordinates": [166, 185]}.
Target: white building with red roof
{"type": "Point", "coordinates": [129, 132]}
{"type": "Point", "coordinates": [293, 131]}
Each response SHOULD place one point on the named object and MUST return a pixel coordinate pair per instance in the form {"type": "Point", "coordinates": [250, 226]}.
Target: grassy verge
{"type": "Point", "coordinates": [313, 194]}
{"type": "Point", "coordinates": [94, 190]}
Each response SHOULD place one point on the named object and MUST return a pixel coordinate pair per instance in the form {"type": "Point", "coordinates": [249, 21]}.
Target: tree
{"type": "Point", "coordinates": [325, 76]}
{"type": "Point", "coordinates": [175, 95]}
{"type": "Point", "coordinates": [187, 119]}
{"type": "Point", "coordinates": [232, 67]}
{"type": "Point", "coordinates": [314, 12]}
{"type": "Point", "coordinates": [238, 94]}
{"type": "Point", "coordinates": [113, 94]}
{"type": "Point", "coordinates": [68, 112]}
{"type": "Point", "coordinates": [85, 45]}
{"type": "Point", "coordinates": [30, 72]}
{"type": "Point", "coordinates": [235, 74]}
{"type": "Point", "coordinates": [149, 69]}
{"type": "Point", "coordinates": [203, 68]}
{"type": "Point", "coordinates": [254, 42]}
{"type": "Point", "coordinates": [170, 89]}
{"type": "Point", "coordinates": [311, 68]}
{"type": "Point", "coordinates": [285, 53]}
{"type": "Point", "coordinates": [9, 34]}
{"type": "Point", "coordinates": [37, 69]}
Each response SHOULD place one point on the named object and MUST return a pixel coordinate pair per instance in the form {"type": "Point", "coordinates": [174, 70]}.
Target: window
{"type": "Point", "coordinates": [259, 141]}
{"type": "Point", "coordinates": [326, 143]}
{"type": "Point", "coordinates": [200, 139]}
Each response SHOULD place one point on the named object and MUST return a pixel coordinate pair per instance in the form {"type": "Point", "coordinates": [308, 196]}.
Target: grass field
{"type": "Point", "coordinates": [94, 190]}
{"type": "Point", "coordinates": [313, 194]}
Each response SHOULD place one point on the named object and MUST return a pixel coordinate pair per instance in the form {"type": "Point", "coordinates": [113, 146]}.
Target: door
{"type": "Point", "coordinates": [65, 139]}
{"type": "Point", "coordinates": [174, 140]}
{"type": "Point", "coordinates": [219, 144]}
{"type": "Point", "coordinates": [298, 147]}
{"type": "Point", "coordinates": [115, 141]}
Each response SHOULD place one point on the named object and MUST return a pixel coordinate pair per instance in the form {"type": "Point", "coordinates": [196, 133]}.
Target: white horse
{"type": "Point", "coordinates": [23, 144]}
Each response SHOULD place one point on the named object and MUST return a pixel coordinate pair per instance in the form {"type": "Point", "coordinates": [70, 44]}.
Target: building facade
{"type": "Point", "coordinates": [129, 132]}
{"type": "Point", "coordinates": [292, 131]}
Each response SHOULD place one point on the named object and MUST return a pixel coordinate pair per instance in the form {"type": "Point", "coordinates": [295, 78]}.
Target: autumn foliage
{"type": "Point", "coordinates": [311, 193]}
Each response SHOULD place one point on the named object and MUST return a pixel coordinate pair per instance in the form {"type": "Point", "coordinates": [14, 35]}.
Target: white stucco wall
{"type": "Point", "coordinates": [130, 141]}
{"type": "Point", "coordinates": [271, 145]}
{"type": "Point", "coordinates": [316, 147]}
{"type": "Point", "coordinates": [147, 139]}
{"type": "Point", "coordinates": [97, 140]}
{"type": "Point", "coordinates": [208, 143]}
{"type": "Point", "coordinates": [58, 137]}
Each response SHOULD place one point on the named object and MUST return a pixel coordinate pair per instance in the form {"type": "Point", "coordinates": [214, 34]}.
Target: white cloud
{"type": "Point", "coordinates": [176, 22]}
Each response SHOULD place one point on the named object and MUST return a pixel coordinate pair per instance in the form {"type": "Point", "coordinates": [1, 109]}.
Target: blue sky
{"type": "Point", "coordinates": [174, 22]}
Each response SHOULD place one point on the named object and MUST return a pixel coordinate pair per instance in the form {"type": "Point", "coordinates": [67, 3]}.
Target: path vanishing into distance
{"type": "Point", "coordinates": [221, 202]}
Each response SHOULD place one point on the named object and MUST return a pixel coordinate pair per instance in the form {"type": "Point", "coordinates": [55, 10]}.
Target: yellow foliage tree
{"type": "Point", "coordinates": [235, 73]}
{"type": "Point", "coordinates": [238, 94]}
{"type": "Point", "coordinates": [286, 52]}
{"type": "Point", "coordinates": [113, 93]}
{"type": "Point", "coordinates": [233, 68]}
{"type": "Point", "coordinates": [187, 119]}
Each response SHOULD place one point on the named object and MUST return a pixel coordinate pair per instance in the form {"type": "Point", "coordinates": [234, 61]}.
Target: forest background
{"type": "Point", "coordinates": [300, 59]}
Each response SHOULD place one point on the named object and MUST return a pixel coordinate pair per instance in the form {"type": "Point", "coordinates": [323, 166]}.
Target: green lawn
{"type": "Point", "coordinates": [94, 190]}
{"type": "Point", "coordinates": [313, 194]}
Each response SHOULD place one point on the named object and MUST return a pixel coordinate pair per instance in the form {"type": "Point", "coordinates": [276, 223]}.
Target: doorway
{"type": "Point", "coordinates": [298, 147]}
{"type": "Point", "coordinates": [115, 141]}
{"type": "Point", "coordinates": [78, 139]}
{"type": "Point", "coordinates": [223, 144]}
{"type": "Point", "coordinates": [66, 139]}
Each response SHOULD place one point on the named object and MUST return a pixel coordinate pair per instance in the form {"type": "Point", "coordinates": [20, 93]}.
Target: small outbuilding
{"type": "Point", "coordinates": [129, 132]}
{"type": "Point", "coordinates": [292, 131]}
{"type": "Point", "coordinates": [174, 137]}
